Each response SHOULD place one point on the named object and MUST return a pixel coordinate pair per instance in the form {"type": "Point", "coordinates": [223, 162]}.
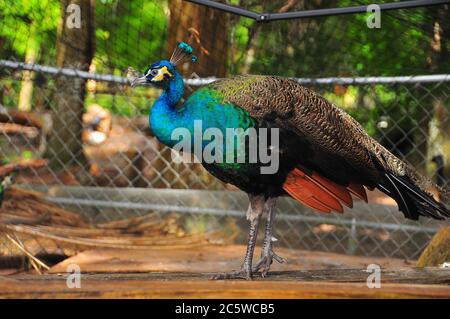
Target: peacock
{"type": "Point", "coordinates": [325, 156]}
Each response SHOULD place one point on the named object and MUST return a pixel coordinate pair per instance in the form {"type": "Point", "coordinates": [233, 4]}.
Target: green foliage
{"type": "Point", "coordinates": [121, 104]}
{"type": "Point", "coordinates": [25, 23]}
{"type": "Point", "coordinates": [130, 33]}
{"type": "Point", "coordinates": [339, 45]}
{"type": "Point", "coordinates": [127, 33]}
{"type": "Point", "coordinates": [134, 33]}
{"type": "Point", "coordinates": [27, 155]}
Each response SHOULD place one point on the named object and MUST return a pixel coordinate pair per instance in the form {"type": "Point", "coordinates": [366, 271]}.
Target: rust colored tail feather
{"type": "Point", "coordinates": [320, 193]}
{"type": "Point", "coordinates": [333, 189]}
{"type": "Point", "coordinates": [298, 193]}
{"type": "Point", "coordinates": [358, 191]}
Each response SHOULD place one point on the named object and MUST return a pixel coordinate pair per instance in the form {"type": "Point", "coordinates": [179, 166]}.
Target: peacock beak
{"type": "Point", "coordinates": [139, 81]}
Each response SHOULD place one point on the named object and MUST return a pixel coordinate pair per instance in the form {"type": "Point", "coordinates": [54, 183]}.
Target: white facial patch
{"type": "Point", "coordinates": [159, 76]}
{"type": "Point", "coordinates": [150, 71]}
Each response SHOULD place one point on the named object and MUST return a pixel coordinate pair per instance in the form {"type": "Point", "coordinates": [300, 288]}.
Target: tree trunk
{"type": "Point", "coordinates": [437, 57]}
{"type": "Point", "coordinates": [75, 49]}
{"type": "Point", "coordinates": [211, 47]}
{"type": "Point", "coordinates": [26, 89]}
{"type": "Point", "coordinates": [213, 35]}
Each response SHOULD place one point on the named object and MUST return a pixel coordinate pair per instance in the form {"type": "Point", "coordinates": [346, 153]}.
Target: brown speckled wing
{"type": "Point", "coordinates": [288, 104]}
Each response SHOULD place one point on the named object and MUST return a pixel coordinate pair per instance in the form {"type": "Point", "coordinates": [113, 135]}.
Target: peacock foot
{"type": "Point", "coordinates": [266, 260]}
{"type": "Point", "coordinates": [243, 273]}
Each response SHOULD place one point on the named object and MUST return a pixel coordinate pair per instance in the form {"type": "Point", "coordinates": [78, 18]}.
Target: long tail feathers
{"type": "Point", "coordinates": [320, 193]}
{"type": "Point", "coordinates": [325, 196]}
{"type": "Point", "coordinates": [412, 200]}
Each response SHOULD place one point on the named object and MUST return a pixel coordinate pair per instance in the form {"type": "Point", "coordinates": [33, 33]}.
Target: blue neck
{"type": "Point", "coordinates": [164, 117]}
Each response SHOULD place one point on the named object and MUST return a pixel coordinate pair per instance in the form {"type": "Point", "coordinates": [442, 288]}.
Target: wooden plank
{"type": "Point", "coordinates": [24, 118]}
{"type": "Point", "coordinates": [206, 258]}
{"type": "Point", "coordinates": [22, 164]}
{"type": "Point", "coordinates": [12, 128]}
{"type": "Point", "coordinates": [186, 273]}
{"type": "Point", "coordinates": [422, 276]}
{"type": "Point", "coordinates": [179, 285]}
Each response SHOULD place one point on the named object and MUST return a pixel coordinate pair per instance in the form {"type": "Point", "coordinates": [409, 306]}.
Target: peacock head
{"type": "Point", "coordinates": [161, 73]}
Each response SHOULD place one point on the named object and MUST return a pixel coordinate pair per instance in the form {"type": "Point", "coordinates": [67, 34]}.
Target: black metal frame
{"type": "Point", "coordinates": [267, 17]}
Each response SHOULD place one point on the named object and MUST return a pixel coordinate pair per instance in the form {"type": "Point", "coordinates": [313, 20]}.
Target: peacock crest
{"type": "Point", "coordinates": [182, 53]}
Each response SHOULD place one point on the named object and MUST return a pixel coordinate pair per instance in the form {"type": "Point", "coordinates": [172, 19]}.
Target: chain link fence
{"type": "Point", "coordinates": [121, 170]}
{"type": "Point", "coordinates": [105, 164]}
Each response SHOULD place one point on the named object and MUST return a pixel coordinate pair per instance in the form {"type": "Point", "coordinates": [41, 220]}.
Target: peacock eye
{"type": "Point", "coordinates": [154, 72]}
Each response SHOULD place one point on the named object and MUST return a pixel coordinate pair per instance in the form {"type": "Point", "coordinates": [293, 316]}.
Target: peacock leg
{"type": "Point", "coordinates": [254, 212]}
{"type": "Point", "coordinates": [267, 253]}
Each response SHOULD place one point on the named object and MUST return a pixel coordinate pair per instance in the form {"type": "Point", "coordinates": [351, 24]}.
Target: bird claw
{"type": "Point", "coordinates": [239, 274]}
{"type": "Point", "coordinates": [266, 261]}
